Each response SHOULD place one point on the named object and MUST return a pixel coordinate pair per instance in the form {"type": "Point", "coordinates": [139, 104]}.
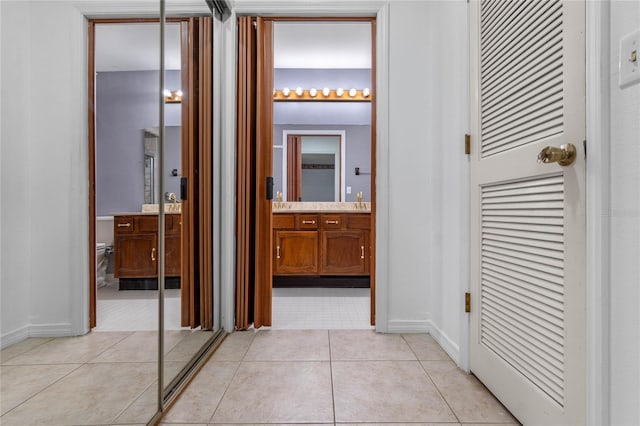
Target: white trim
{"type": "Point", "coordinates": [13, 337]}
{"type": "Point", "coordinates": [597, 190]}
{"type": "Point", "coordinates": [427, 326]}
{"type": "Point", "coordinates": [445, 342]}
{"type": "Point", "coordinates": [343, 144]}
{"type": "Point", "coordinates": [409, 326]}
{"type": "Point", "coordinates": [36, 330]}
{"type": "Point", "coordinates": [138, 8]}
{"type": "Point", "coordinates": [382, 170]}
{"type": "Point", "coordinates": [228, 173]}
{"type": "Point", "coordinates": [311, 8]}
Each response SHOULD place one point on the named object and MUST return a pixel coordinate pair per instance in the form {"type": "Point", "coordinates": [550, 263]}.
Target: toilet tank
{"type": "Point", "coordinates": [104, 230]}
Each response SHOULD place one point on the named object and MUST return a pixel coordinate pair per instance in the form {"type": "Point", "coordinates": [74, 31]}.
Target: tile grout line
{"type": "Point", "coordinates": [333, 394]}
{"type": "Point", "coordinates": [46, 387]}
{"type": "Point", "coordinates": [232, 377]}
{"type": "Point", "coordinates": [439, 392]}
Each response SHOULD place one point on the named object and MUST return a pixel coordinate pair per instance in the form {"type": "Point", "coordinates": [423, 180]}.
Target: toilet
{"type": "Point", "coordinates": [101, 264]}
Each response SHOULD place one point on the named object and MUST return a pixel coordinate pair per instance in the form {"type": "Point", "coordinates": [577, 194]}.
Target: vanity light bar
{"type": "Point", "coordinates": [326, 94]}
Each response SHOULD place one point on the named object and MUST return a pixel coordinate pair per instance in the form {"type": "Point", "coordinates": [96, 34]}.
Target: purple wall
{"type": "Point", "coordinates": [126, 104]}
{"type": "Point", "coordinates": [357, 154]}
{"type": "Point", "coordinates": [352, 117]}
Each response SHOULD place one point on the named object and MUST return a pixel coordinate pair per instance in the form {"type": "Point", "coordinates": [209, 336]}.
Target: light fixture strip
{"type": "Point", "coordinates": [336, 95]}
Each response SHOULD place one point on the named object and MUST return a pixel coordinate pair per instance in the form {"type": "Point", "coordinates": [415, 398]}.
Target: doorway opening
{"type": "Point", "coordinates": [314, 127]}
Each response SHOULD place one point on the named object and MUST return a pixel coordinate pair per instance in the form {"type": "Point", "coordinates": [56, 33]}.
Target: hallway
{"type": "Point", "coordinates": [337, 376]}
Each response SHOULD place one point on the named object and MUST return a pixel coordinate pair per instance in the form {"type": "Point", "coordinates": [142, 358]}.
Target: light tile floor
{"type": "Point", "coordinates": [321, 308]}
{"type": "Point", "coordinates": [135, 310]}
{"type": "Point", "coordinates": [96, 379]}
{"type": "Point", "coordinates": [332, 377]}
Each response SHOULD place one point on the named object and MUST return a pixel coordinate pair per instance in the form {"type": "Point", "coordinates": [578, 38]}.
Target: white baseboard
{"type": "Point", "coordinates": [35, 330]}
{"type": "Point", "coordinates": [427, 326]}
{"type": "Point", "coordinates": [449, 346]}
{"type": "Point", "coordinates": [14, 336]}
{"type": "Point", "coordinates": [408, 326]}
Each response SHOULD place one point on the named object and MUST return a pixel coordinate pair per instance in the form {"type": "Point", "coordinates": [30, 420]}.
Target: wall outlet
{"type": "Point", "coordinates": [629, 60]}
{"type": "Point", "coordinates": [348, 190]}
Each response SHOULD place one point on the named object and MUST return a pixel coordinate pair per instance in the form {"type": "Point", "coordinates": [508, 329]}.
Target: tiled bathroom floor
{"type": "Point", "coordinates": [135, 310]}
{"type": "Point", "coordinates": [321, 308]}
{"type": "Point", "coordinates": [96, 379]}
{"type": "Point", "coordinates": [331, 377]}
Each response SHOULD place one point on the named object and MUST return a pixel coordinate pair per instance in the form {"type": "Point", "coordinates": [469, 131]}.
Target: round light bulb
{"type": "Point", "coordinates": [352, 92]}
{"type": "Point", "coordinates": [313, 92]}
{"type": "Point", "coordinates": [167, 93]}
{"type": "Point", "coordinates": [179, 93]}
{"type": "Point", "coordinates": [340, 92]}
{"type": "Point", "coordinates": [286, 91]}
{"type": "Point", "coordinates": [366, 92]}
{"type": "Point", "coordinates": [326, 92]}
{"type": "Point", "coordinates": [299, 91]}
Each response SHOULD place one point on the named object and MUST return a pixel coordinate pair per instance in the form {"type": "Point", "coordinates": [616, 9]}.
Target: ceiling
{"type": "Point", "coordinates": [322, 44]}
{"type": "Point", "coordinates": [135, 47]}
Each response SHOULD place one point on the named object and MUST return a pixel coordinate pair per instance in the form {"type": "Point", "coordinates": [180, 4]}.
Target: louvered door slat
{"type": "Point", "coordinates": [530, 283]}
{"type": "Point", "coordinates": [513, 58]}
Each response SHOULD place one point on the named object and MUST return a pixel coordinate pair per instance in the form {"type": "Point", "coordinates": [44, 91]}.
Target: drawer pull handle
{"type": "Point", "coordinates": [278, 252]}
{"type": "Point", "coordinates": [332, 222]}
{"type": "Point", "coordinates": [308, 222]}
{"type": "Point", "coordinates": [153, 254]}
{"type": "Point", "coordinates": [124, 225]}
{"type": "Point", "coordinates": [361, 252]}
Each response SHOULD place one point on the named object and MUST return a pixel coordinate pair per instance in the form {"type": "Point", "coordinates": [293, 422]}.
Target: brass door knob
{"type": "Point", "coordinates": [564, 155]}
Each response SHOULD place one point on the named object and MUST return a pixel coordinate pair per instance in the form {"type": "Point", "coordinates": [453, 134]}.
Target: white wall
{"type": "Point", "coordinates": [44, 173]}
{"type": "Point", "coordinates": [625, 229]}
{"type": "Point", "coordinates": [427, 168]}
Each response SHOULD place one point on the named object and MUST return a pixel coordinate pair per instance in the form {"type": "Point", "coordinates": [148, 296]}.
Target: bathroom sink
{"type": "Point", "coordinates": [168, 208]}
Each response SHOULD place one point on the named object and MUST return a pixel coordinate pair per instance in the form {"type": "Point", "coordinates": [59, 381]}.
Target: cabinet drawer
{"type": "Point", "coordinates": [284, 221]}
{"type": "Point", "coordinates": [332, 221]}
{"type": "Point", "coordinates": [307, 221]}
{"type": "Point", "coordinates": [359, 221]}
{"type": "Point", "coordinates": [123, 224]}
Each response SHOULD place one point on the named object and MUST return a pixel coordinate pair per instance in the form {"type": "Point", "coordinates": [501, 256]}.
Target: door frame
{"type": "Point", "coordinates": [344, 10]}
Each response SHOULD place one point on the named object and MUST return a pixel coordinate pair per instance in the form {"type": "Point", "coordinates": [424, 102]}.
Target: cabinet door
{"type": "Point", "coordinates": [344, 253]}
{"type": "Point", "coordinates": [136, 256]}
{"type": "Point", "coordinates": [295, 252]}
{"type": "Point", "coordinates": [172, 257]}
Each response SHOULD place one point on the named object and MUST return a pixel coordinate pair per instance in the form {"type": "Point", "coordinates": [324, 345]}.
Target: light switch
{"type": "Point", "coordinates": [348, 190]}
{"type": "Point", "coordinates": [630, 59]}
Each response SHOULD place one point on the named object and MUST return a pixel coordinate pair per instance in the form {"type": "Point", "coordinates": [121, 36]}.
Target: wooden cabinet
{"type": "Point", "coordinates": [321, 244]}
{"type": "Point", "coordinates": [136, 246]}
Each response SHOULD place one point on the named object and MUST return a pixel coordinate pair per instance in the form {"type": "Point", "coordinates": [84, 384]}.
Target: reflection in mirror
{"type": "Point", "coordinates": [306, 57]}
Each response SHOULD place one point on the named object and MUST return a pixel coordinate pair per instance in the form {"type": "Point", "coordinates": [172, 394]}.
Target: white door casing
{"type": "Point", "coordinates": [527, 340]}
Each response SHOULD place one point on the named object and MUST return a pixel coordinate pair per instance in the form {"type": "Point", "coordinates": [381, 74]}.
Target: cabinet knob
{"type": "Point", "coordinates": [361, 252]}
{"type": "Point", "coordinates": [332, 222]}
{"type": "Point", "coordinates": [124, 225]}
{"type": "Point", "coordinates": [153, 254]}
{"type": "Point", "coordinates": [278, 252]}
{"type": "Point", "coordinates": [309, 222]}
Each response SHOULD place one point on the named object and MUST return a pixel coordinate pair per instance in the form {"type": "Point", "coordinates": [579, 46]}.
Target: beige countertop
{"type": "Point", "coordinates": [320, 207]}
{"type": "Point", "coordinates": [141, 213]}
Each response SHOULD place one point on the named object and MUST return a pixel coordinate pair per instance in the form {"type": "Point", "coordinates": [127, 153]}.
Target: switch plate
{"type": "Point", "coordinates": [629, 60]}
{"type": "Point", "coordinates": [348, 190]}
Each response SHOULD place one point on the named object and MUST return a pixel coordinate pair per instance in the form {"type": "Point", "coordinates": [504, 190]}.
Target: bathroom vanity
{"type": "Point", "coordinates": [321, 242]}
{"type": "Point", "coordinates": [136, 248]}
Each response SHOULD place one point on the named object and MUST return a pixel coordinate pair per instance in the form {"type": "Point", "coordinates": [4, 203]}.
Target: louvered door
{"type": "Point", "coordinates": [527, 219]}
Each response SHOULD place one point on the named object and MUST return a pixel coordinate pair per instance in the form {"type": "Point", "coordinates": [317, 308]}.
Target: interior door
{"type": "Point", "coordinates": [528, 218]}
